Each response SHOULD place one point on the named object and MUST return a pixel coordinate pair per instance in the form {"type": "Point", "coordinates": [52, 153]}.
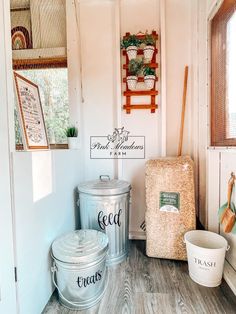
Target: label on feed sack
{"type": "Point", "coordinates": [169, 202]}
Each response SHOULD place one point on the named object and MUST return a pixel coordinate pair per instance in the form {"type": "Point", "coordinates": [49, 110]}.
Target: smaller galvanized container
{"type": "Point", "coordinates": [80, 268]}
{"type": "Point", "coordinates": [104, 206]}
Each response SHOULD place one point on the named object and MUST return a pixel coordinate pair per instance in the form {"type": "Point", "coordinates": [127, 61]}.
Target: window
{"type": "Point", "coordinates": [53, 87]}
{"type": "Point", "coordinates": [223, 76]}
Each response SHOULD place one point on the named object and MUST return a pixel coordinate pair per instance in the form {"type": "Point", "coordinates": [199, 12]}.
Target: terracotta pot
{"type": "Point", "coordinates": [132, 82]}
{"type": "Point", "coordinates": [148, 52]}
{"type": "Point", "coordinates": [149, 81]}
{"type": "Point", "coordinates": [132, 52]}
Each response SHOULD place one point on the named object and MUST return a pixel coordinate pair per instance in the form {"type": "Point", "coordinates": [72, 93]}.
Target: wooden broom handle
{"type": "Point", "coordinates": [183, 111]}
{"type": "Point", "coordinates": [230, 189]}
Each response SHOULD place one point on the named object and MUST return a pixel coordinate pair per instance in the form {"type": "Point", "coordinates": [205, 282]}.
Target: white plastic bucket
{"type": "Point", "coordinates": [206, 255]}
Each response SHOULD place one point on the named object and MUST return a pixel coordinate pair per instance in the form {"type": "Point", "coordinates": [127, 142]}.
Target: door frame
{"type": "Point", "coordinates": [8, 301]}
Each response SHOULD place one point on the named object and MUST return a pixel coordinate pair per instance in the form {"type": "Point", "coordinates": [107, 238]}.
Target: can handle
{"type": "Point", "coordinates": [54, 270]}
{"type": "Point", "coordinates": [102, 177]}
{"type": "Point", "coordinates": [228, 247]}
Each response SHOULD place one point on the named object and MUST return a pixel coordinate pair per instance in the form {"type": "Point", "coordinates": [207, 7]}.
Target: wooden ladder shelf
{"type": "Point", "coordinates": [128, 106]}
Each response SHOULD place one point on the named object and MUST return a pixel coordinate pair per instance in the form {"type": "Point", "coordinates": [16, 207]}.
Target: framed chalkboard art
{"type": "Point", "coordinates": [30, 114]}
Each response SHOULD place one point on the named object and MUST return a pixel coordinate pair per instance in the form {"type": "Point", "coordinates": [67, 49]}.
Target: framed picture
{"type": "Point", "coordinates": [30, 114]}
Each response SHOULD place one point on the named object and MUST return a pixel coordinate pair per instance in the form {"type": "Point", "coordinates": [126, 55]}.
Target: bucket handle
{"type": "Point", "coordinates": [227, 248]}
{"type": "Point", "coordinates": [54, 270]}
{"type": "Point", "coordinates": [104, 177]}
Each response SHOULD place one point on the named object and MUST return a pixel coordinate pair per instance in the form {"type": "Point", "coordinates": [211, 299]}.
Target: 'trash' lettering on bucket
{"type": "Point", "coordinates": [84, 282]}
{"type": "Point", "coordinates": [204, 263]}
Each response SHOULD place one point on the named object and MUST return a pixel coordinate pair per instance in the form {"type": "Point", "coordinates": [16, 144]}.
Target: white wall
{"type": "Point", "coordinates": [221, 162]}
{"type": "Point", "coordinates": [179, 32]}
{"type": "Point", "coordinates": [7, 281]}
{"type": "Point", "coordinates": [101, 25]}
{"type": "Point", "coordinates": [141, 122]}
{"type": "Point", "coordinates": [97, 31]}
{"type": "Point", "coordinates": [102, 106]}
{"type": "Point", "coordinates": [44, 184]}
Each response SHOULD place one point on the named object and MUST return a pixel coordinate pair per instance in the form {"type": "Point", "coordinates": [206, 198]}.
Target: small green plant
{"type": "Point", "coordinates": [148, 71]}
{"type": "Point", "coordinates": [136, 66]}
{"type": "Point", "coordinates": [72, 131]}
{"type": "Point", "coordinates": [149, 40]}
{"type": "Point", "coordinates": [130, 40]}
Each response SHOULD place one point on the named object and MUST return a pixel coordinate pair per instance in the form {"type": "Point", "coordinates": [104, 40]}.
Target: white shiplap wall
{"type": "Point", "coordinates": [102, 106]}
{"type": "Point", "coordinates": [221, 162]}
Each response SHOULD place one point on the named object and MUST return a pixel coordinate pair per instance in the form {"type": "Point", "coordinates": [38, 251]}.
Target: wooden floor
{"type": "Point", "coordinates": [154, 286]}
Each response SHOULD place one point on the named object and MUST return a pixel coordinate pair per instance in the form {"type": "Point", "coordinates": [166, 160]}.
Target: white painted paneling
{"type": "Point", "coordinates": [201, 99]}
{"type": "Point", "coordinates": [178, 54]}
{"type": "Point", "coordinates": [7, 281]}
{"type": "Point", "coordinates": [212, 8]}
{"type": "Point", "coordinates": [228, 165]}
{"type": "Point", "coordinates": [220, 164]}
{"type": "Point", "coordinates": [141, 122]}
{"type": "Point", "coordinates": [74, 66]}
{"type": "Point", "coordinates": [97, 29]}
{"type": "Point", "coordinates": [213, 189]}
{"type": "Point", "coordinates": [211, 4]}
{"type": "Point", "coordinates": [100, 110]}
{"type": "Point", "coordinates": [44, 184]}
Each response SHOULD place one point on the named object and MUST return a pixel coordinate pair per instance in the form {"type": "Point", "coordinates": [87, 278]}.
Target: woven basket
{"type": "Point", "coordinates": [170, 206]}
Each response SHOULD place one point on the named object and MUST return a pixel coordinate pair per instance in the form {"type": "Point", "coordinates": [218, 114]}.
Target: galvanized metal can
{"type": "Point", "coordinates": [104, 206]}
{"type": "Point", "coordinates": [80, 268]}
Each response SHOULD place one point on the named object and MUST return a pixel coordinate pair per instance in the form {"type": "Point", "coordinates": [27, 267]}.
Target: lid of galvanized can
{"type": "Point", "coordinates": [81, 246]}
{"type": "Point", "coordinates": [105, 186]}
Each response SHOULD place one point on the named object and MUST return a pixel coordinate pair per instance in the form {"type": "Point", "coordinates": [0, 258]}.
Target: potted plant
{"type": "Point", "coordinates": [131, 44]}
{"type": "Point", "coordinates": [72, 137]}
{"type": "Point", "coordinates": [135, 68]}
{"type": "Point", "coordinates": [149, 48]}
{"type": "Point", "coordinates": [149, 77]}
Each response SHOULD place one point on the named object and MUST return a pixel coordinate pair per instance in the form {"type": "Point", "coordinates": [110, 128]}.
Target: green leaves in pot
{"type": "Point", "coordinates": [135, 66]}
{"type": "Point", "coordinates": [72, 131]}
{"type": "Point", "coordinates": [149, 40]}
{"type": "Point", "coordinates": [148, 71]}
{"type": "Point", "coordinates": [130, 40]}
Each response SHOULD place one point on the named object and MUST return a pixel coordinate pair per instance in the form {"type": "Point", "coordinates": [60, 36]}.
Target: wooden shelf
{"type": "Point", "coordinates": [141, 93]}
{"type": "Point", "coordinates": [142, 36]}
{"type": "Point", "coordinates": [140, 79]}
{"type": "Point", "coordinates": [128, 94]}
{"type": "Point", "coordinates": [128, 108]}
{"type": "Point", "coordinates": [153, 65]}
{"type": "Point", "coordinates": [140, 52]}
